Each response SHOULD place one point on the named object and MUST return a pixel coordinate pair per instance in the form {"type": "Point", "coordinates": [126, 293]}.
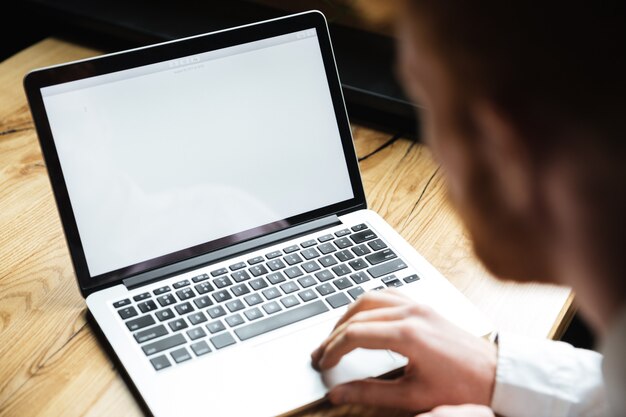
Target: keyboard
{"type": "Point", "coordinates": [223, 306]}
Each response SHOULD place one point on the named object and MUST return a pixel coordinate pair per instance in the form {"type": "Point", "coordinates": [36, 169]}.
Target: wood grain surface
{"type": "Point", "coordinates": [51, 363]}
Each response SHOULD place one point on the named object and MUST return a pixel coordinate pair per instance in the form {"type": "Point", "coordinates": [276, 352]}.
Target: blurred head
{"type": "Point", "coordinates": [523, 106]}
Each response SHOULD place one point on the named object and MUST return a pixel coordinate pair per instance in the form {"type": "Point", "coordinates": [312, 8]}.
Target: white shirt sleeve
{"type": "Point", "coordinates": [540, 377]}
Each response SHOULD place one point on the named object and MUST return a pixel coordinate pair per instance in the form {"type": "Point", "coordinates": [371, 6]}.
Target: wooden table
{"type": "Point", "coordinates": [50, 360]}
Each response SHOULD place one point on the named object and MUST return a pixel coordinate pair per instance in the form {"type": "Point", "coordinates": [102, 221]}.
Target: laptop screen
{"type": "Point", "coordinates": [174, 154]}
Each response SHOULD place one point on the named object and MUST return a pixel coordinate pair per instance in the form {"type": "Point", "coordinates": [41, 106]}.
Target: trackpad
{"type": "Point", "coordinates": [360, 364]}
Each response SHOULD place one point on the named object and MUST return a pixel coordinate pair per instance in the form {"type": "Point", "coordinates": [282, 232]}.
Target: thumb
{"type": "Point", "coordinates": [376, 392]}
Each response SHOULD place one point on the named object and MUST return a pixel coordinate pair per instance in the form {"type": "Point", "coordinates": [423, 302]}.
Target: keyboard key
{"type": "Point", "coordinates": [310, 266]}
{"type": "Point", "coordinates": [255, 260]}
{"type": "Point", "coordinates": [140, 322]}
{"type": "Point", "coordinates": [234, 320]}
{"type": "Point", "coordinates": [258, 283]}
{"type": "Point", "coordinates": [180, 355]}
{"type": "Point", "coordinates": [307, 295]}
{"type": "Point", "coordinates": [324, 275]}
{"type": "Point", "coordinates": [161, 290]}
{"type": "Point", "coordinates": [356, 292]}
{"type": "Point", "coordinates": [344, 255]}
{"type": "Point", "coordinates": [361, 250]}
{"type": "Point", "coordinates": [147, 306]}
{"type": "Point", "coordinates": [325, 238]}
{"type": "Point", "coordinates": [203, 302]}
{"type": "Point", "coordinates": [151, 333]}
{"type": "Point", "coordinates": [178, 324]}
{"type": "Point", "coordinates": [307, 281]}
{"type": "Point", "coordinates": [327, 261]}
{"type": "Point", "coordinates": [221, 296]}
{"type": "Point", "coordinates": [325, 289]}
{"type": "Point", "coordinates": [253, 299]}
{"type": "Point", "coordinates": [219, 272]}
{"type": "Point", "coordinates": [359, 227]}
{"type": "Point", "coordinates": [363, 236]}
{"type": "Point", "coordinates": [381, 256]}
{"type": "Point", "coordinates": [342, 283]}
{"type": "Point", "coordinates": [199, 278]}
{"type": "Point", "coordinates": [165, 314]}
{"type": "Point", "coordinates": [308, 243]}
{"type": "Point", "coordinates": [358, 264]}
{"type": "Point", "coordinates": [343, 232]}
{"type": "Point", "coordinates": [275, 278]}
{"type": "Point", "coordinates": [310, 253]}
{"type": "Point", "coordinates": [222, 282]}
{"type": "Point", "coordinates": [240, 276]}
{"type": "Point", "coordinates": [160, 362]}
{"type": "Point", "coordinates": [275, 264]}
{"type": "Point", "coordinates": [200, 348]}
{"type": "Point", "coordinates": [185, 294]}
{"type": "Point", "coordinates": [271, 307]}
{"type": "Point", "coordinates": [392, 281]}
{"type": "Point", "coordinates": [343, 243]}
{"type": "Point", "coordinates": [142, 296]}
{"type": "Point", "coordinates": [289, 287]}
{"type": "Point", "coordinates": [237, 266]}
{"type": "Point", "coordinates": [387, 268]}
{"type": "Point", "coordinates": [289, 301]}
{"type": "Point", "coordinates": [327, 248]}
{"type": "Point", "coordinates": [127, 312]}
{"type": "Point", "coordinates": [338, 300]}
{"type": "Point", "coordinates": [235, 305]}
{"type": "Point", "coordinates": [121, 303]}
{"type": "Point", "coordinates": [166, 300]}
{"type": "Point", "coordinates": [377, 244]}
{"type": "Point", "coordinates": [216, 326]}
{"type": "Point", "coordinates": [216, 311]}
{"type": "Point", "coordinates": [257, 270]}
{"type": "Point", "coordinates": [204, 287]}
{"type": "Point", "coordinates": [184, 308]}
{"type": "Point", "coordinates": [341, 269]}
{"type": "Point", "coordinates": [274, 254]}
{"type": "Point", "coordinates": [239, 290]}
{"type": "Point", "coordinates": [293, 259]}
{"type": "Point", "coordinates": [197, 317]}
{"type": "Point", "coordinates": [271, 293]}
{"type": "Point", "coordinates": [291, 248]}
{"type": "Point", "coordinates": [411, 278]}
{"type": "Point", "coordinates": [280, 320]}
{"type": "Point", "coordinates": [222, 340]}
{"type": "Point", "coordinates": [196, 333]}
{"type": "Point", "coordinates": [181, 284]}
{"type": "Point", "coordinates": [293, 272]}
{"type": "Point", "coordinates": [359, 277]}
{"type": "Point", "coordinates": [163, 344]}
{"type": "Point", "coordinates": [253, 314]}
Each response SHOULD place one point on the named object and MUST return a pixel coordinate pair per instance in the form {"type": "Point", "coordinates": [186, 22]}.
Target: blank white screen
{"type": "Point", "coordinates": [178, 157]}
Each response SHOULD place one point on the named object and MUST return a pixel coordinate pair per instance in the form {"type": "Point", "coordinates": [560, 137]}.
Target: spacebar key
{"type": "Point", "coordinates": [387, 268]}
{"type": "Point", "coordinates": [279, 320]}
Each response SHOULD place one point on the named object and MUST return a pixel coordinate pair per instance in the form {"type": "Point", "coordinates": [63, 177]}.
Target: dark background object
{"type": "Point", "coordinates": [365, 58]}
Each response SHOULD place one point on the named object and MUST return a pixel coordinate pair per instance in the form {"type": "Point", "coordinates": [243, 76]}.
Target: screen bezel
{"type": "Point", "coordinates": [38, 79]}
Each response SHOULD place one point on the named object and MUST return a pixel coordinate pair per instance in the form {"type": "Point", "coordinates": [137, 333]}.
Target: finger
{"type": "Point", "coordinates": [372, 300]}
{"type": "Point", "coordinates": [380, 314]}
{"type": "Point", "coordinates": [466, 410]}
{"type": "Point", "coordinates": [377, 315]}
{"type": "Point", "coordinates": [384, 393]}
{"type": "Point", "coordinates": [371, 335]}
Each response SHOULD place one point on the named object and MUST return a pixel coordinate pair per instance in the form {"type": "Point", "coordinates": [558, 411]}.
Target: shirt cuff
{"type": "Point", "coordinates": [540, 377]}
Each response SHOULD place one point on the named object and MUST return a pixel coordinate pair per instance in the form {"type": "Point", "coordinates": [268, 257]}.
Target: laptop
{"type": "Point", "coordinates": [213, 208]}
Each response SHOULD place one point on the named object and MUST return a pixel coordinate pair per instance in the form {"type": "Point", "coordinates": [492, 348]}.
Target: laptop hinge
{"type": "Point", "coordinates": [230, 251]}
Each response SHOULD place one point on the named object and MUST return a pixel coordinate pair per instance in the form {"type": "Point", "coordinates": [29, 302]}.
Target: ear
{"type": "Point", "coordinates": [506, 153]}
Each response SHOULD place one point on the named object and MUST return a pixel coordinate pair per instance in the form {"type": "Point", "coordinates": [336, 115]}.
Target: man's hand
{"type": "Point", "coordinates": [446, 364]}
